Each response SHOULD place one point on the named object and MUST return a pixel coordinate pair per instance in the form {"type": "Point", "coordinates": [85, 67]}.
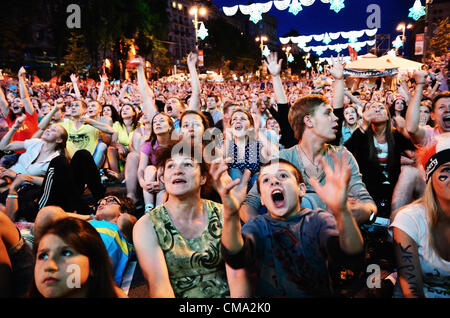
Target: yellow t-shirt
{"type": "Point", "coordinates": [84, 138]}
{"type": "Point", "coordinates": [123, 137]}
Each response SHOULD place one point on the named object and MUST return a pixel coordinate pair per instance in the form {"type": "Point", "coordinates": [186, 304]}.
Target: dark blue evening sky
{"type": "Point", "coordinates": [318, 18]}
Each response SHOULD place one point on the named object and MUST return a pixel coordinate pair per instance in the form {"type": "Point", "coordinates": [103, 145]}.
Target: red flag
{"type": "Point", "coordinates": [53, 80]}
{"type": "Point", "coordinates": [353, 54]}
{"type": "Point", "coordinates": [36, 79]}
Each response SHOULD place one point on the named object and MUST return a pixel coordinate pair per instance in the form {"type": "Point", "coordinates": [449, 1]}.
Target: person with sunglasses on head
{"type": "Point", "coordinates": [114, 220]}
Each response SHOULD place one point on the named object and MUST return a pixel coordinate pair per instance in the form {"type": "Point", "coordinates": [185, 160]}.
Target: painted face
{"type": "Point", "coordinates": [350, 115]}
{"type": "Point", "coordinates": [57, 263]}
{"type": "Point", "coordinates": [441, 114]}
{"type": "Point", "coordinates": [160, 124]}
{"type": "Point", "coordinates": [182, 176]}
{"type": "Point", "coordinates": [240, 124]}
{"type": "Point", "coordinates": [441, 182]}
{"type": "Point", "coordinates": [424, 115]}
{"type": "Point", "coordinates": [324, 122]}
{"type": "Point", "coordinates": [192, 126]}
{"type": "Point", "coordinates": [280, 191]}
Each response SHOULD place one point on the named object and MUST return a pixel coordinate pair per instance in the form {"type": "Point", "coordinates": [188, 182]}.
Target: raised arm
{"type": "Point", "coordinates": [413, 111]}
{"type": "Point", "coordinates": [103, 80]}
{"type": "Point", "coordinates": [337, 71]}
{"type": "Point", "coordinates": [28, 105]}
{"type": "Point", "coordinates": [232, 193]}
{"type": "Point", "coordinates": [5, 142]}
{"type": "Point", "coordinates": [194, 102]}
{"type": "Point", "coordinates": [334, 194]}
{"type": "Point", "coordinates": [103, 127]}
{"type": "Point", "coordinates": [45, 122]}
{"type": "Point", "coordinates": [274, 68]}
{"type": "Point", "coordinates": [148, 104]}
{"type": "Point", "coordinates": [4, 105]}
{"type": "Point", "coordinates": [74, 80]}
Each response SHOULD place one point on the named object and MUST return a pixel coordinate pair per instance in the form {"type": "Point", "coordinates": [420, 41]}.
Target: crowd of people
{"type": "Point", "coordinates": [263, 187]}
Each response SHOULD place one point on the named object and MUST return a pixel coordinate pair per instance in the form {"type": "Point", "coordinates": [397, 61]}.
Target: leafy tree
{"type": "Point", "coordinates": [441, 40]}
{"type": "Point", "coordinates": [77, 57]}
{"type": "Point", "coordinates": [243, 55]}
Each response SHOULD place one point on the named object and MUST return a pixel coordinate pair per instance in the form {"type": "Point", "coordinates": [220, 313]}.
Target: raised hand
{"type": "Point", "coordinates": [19, 122]}
{"type": "Point", "coordinates": [334, 192]}
{"type": "Point", "coordinates": [419, 76]}
{"type": "Point", "coordinates": [192, 59]}
{"type": "Point", "coordinates": [403, 90]}
{"type": "Point", "coordinates": [73, 78]}
{"type": "Point", "coordinates": [232, 192]}
{"type": "Point", "coordinates": [273, 64]}
{"type": "Point", "coordinates": [103, 78]}
{"type": "Point", "coordinates": [337, 67]}
{"type": "Point", "coordinates": [22, 71]}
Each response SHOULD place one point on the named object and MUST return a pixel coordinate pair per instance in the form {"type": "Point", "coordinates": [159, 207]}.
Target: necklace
{"type": "Point", "coordinates": [312, 162]}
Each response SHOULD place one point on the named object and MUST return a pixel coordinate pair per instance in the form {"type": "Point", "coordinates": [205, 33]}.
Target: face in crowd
{"type": "Point", "coordinates": [280, 188]}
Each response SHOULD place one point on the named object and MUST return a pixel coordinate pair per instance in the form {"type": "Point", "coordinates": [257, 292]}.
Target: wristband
{"type": "Point", "coordinates": [420, 83]}
{"type": "Point", "coordinates": [12, 196]}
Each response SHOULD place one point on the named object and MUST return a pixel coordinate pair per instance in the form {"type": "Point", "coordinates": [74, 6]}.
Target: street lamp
{"type": "Point", "coordinates": [401, 27]}
{"type": "Point", "coordinates": [287, 50]}
{"type": "Point", "coordinates": [196, 11]}
{"type": "Point", "coordinates": [261, 39]}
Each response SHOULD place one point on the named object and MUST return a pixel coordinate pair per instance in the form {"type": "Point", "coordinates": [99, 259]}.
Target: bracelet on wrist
{"type": "Point", "coordinates": [421, 83]}
{"type": "Point", "coordinates": [12, 196]}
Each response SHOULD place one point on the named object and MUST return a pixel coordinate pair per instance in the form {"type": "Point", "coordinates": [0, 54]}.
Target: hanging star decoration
{"type": "Point", "coordinates": [337, 5]}
{"type": "Point", "coordinates": [266, 51]}
{"type": "Point", "coordinates": [320, 68]}
{"type": "Point", "coordinates": [326, 39]}
{"type": "Point", "coordinates": [417, 10]}
{"type": "Point", "coordinates": [290, 58]}
{"type": "Point", "coordinates": [255, 16]}
{"type": "Point", "coordinates": [352, 39]}
{"type": "Point", "coordinates": [308, 64]}
{"type": "Point", "coordinates": [397, 43]}
{"type": "Point", "coordinates": [202, 32]}
{"type": "Point", "coordinates": [295, 7]}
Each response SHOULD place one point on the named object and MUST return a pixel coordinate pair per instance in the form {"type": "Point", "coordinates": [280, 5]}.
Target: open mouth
{"type": "Point", "coordinates": [446, 121]}
{"type": "Point", "coordinates": [278, 198]}
{"type": "Point", "coordinates": [179, 181]}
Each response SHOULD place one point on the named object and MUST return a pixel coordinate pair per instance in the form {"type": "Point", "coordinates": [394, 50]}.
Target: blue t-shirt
{"type": "Point", "coordinates": [118, 248]}
{"type": "Point", "coordinates": [290, 256]}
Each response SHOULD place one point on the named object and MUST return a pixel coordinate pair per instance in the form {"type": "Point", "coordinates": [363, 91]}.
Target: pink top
{"type": "Point", "coordinates": [150, 151]}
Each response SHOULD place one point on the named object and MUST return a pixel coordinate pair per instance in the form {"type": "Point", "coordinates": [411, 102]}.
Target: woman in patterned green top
{"type": "Point", "coordinates": [178, 243]}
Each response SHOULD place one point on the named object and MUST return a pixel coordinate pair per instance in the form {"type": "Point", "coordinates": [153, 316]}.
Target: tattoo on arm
{"type": "Point", "coordinates": [407, 269]}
